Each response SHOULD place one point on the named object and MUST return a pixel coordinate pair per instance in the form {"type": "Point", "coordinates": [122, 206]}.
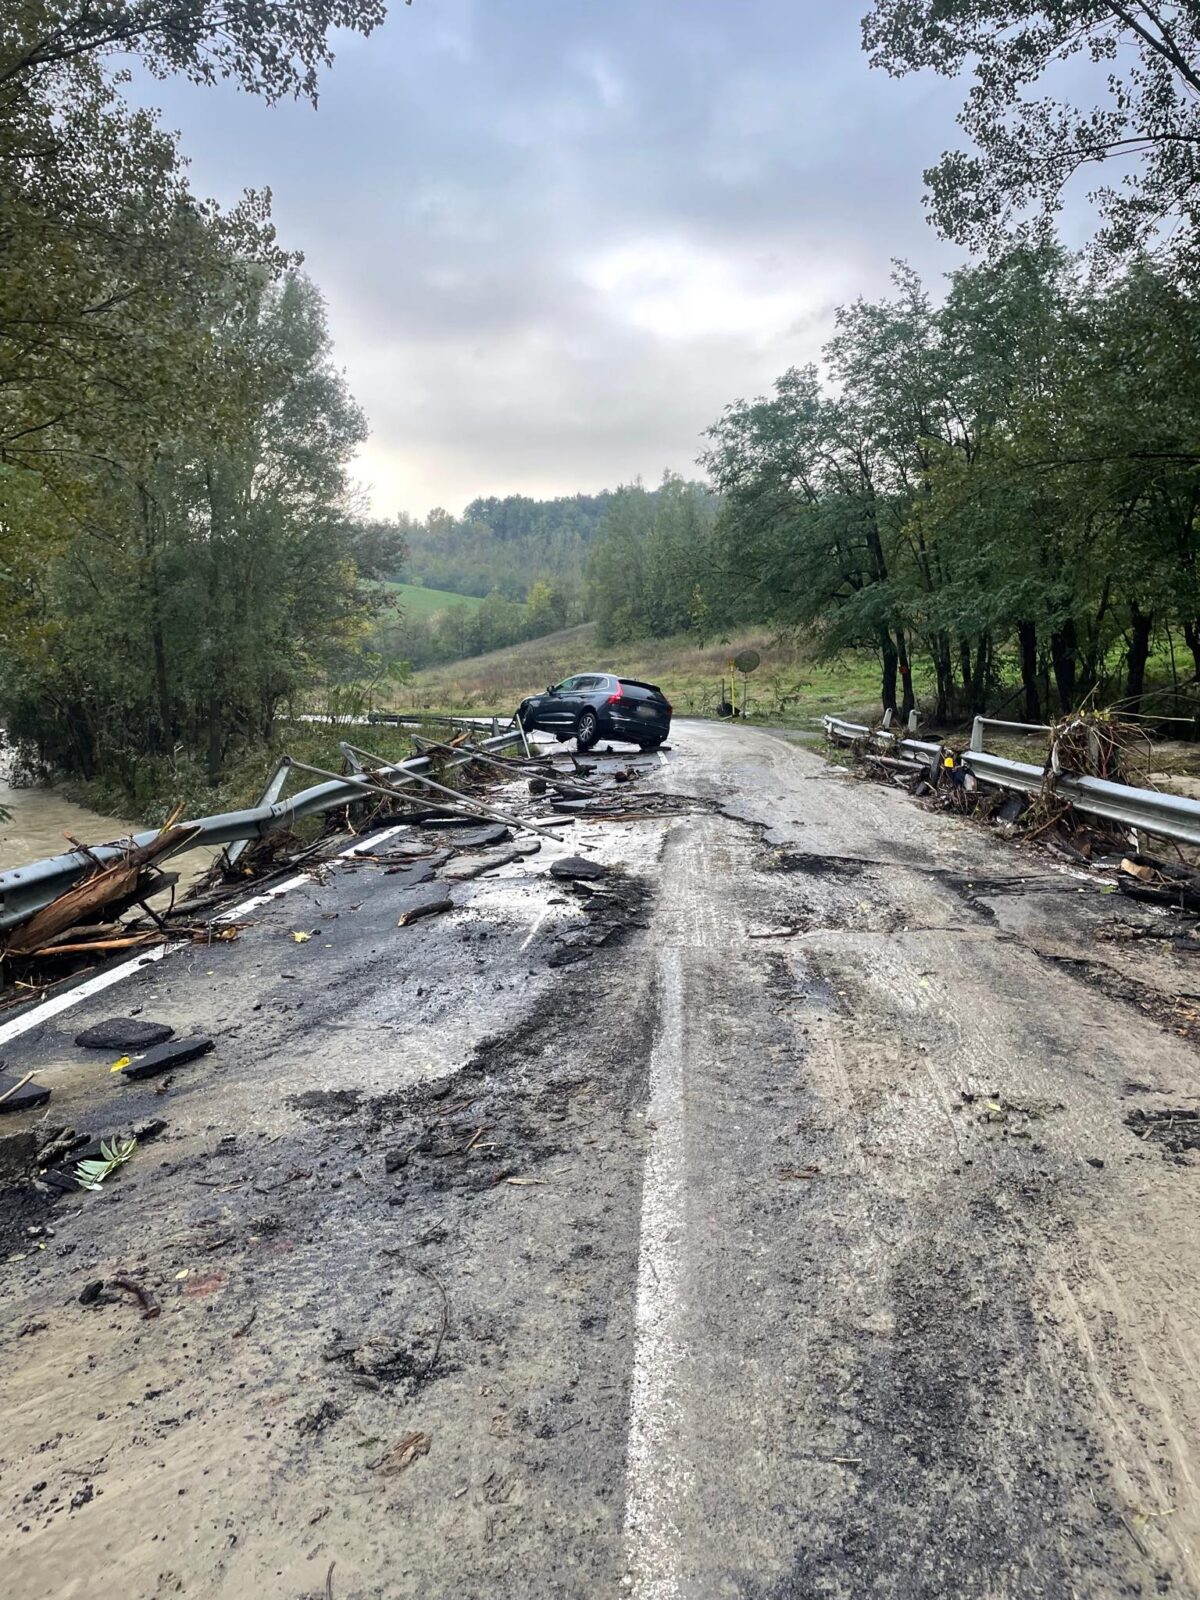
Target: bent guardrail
{"type": "Point", "coordinates": [1168, 816]}
{"type": "Point", "coordinates": [24, 890]}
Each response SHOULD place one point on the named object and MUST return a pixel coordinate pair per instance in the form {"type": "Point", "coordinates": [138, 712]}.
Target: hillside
{"type": "Point", "coordinates": [785, 688]}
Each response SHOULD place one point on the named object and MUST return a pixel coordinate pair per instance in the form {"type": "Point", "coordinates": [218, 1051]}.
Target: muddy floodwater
{"type": "Point", "coordinates": [40, 818]}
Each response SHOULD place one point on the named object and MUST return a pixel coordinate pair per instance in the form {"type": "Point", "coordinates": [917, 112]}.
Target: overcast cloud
{"type": "Point", "coordinates": [557, 237]}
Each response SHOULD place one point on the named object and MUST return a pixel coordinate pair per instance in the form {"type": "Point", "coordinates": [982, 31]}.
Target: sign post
{"type": "Point", "coordinates": [745, 663]}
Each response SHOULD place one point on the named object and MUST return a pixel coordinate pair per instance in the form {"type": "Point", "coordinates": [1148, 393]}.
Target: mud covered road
{"type": "Point", "coordinates": [769, 1219]}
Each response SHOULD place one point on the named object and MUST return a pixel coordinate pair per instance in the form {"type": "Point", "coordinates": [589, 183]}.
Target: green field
{"type": "Point", "coordinates": [419, 602]}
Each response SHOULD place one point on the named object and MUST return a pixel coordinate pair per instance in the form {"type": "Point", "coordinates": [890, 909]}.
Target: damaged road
{"type": "Point", "coordinates": [794, 1200]}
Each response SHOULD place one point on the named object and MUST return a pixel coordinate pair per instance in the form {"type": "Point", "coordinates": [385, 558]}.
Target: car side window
{"type": "Point", "coordinates": [588, 683]}
{"type": "Point", "coordinates": [567, 686]}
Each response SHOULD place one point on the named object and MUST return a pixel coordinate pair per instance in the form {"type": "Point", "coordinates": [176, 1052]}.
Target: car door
{"type": "Point", "coordinates": [557, 709]}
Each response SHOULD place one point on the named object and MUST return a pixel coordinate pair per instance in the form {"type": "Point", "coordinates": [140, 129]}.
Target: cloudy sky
{"type": "Point", "coordinates": [556, 237]}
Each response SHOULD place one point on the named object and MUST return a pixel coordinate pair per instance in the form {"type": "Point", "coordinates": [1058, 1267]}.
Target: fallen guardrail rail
{"type": "Point", "coordinates": [26, 890]}
{"type": "Point", "coordinates": [1167, 816]}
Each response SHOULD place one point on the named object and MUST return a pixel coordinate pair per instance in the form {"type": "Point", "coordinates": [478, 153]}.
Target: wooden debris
{"type": "Point", "coordinates": [144, 1297]}
{"type": "Point", "coordinates": [103, 889]}
{"type": "Point", "coordinates": [426, 908]}
{"type": "Point", "coordinates": [403, 1453]}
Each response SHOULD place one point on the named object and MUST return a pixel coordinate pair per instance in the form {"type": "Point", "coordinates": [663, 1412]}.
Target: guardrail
{"type": "Point", "coordinates": [1168, 816]}
{"type": "Point", "coordinates": [24, 890]}
{"type": "Point", "coordinates": [981, 723]}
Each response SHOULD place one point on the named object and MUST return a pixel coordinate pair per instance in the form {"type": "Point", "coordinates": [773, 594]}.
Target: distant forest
{"type": "Point", "coordinates": [527, 559]}
{"type": "Point", "coordinates": [504, 545]}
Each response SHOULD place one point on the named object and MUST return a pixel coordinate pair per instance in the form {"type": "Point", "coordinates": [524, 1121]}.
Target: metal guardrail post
{"type": "Point", "coordinates": [977, 734]}
{"type": "Point", "coordinates": [268, 797]}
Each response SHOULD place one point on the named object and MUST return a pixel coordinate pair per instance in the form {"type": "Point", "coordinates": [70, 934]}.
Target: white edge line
{"type": "Point", "coordinates": [105, 980]}
{"type": "Point", "coordinates": [530, 936]}
{"type": "Point", "coordinates": [63, 1002]}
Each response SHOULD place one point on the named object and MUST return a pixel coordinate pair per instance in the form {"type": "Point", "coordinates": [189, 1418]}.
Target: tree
{"type": "Point", "coordinates": [274, 50]}
{"type": "Point", "coordinates": [1013, 474]}
{"type": "Point", "coordinates": [1030, 144]}
{"type": "Point", "coordinates": [214, 574]}
{"type": "Point", "coordinates": [652, 550]}
{"type": "Point", "coordinates": [177, 554]}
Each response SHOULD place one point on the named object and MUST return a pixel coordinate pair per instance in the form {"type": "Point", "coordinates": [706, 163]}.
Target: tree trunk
{"type": "Point", "coordinates": [966, 669]}
{"type": "Point", "coordinates": [907, 698]}
{"type": "Point", "coordinates": [1027, 639]}
{"type": "Point", "coordinates": [944, 668]}
{"type": "Point", "coordinates": [887, 655]}
{"type": "Point", "coordinates": [1063, 654]}
{"type": "Point", "coordinates": [977, 700]}
{"type": "Point", "coordinates": [166, 720]}
{"type": "Point", "coordinates": [215, 742]}
{"type": "Point", "coordinates": [1140, 624]}
{"type": "Point", "coordinates": [1191, 632]}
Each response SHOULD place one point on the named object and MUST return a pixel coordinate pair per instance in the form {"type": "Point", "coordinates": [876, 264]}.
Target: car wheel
{"type": "Point", "coordinates": [587, 730]}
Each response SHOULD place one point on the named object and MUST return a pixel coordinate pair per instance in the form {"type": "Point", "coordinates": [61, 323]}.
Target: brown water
{"type": "Point", "coordinates": [41, 817]}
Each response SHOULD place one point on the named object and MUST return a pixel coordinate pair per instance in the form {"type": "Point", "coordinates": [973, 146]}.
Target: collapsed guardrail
{"type": "Point", "coordinates": [25, 890]}
{"type": "Point", "coordinates": [1168, 816]}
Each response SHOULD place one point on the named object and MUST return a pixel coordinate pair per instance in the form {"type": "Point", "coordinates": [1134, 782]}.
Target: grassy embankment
{"type": "Point", "coordinates": [786, 688]}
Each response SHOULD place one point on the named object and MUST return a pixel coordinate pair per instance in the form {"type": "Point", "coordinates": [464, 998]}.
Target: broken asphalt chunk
{"type": "Point", "coordinates": [410, 877]}
{"type": "Point", "coordinates": [17, 1094]}
{"type": "Point", "coordinates": [124, 1033]}
{"type": "Point", "coordinates": [482, 838]}
{"type": "Point", "coordinates": [165, 1056]}
{"type": "Point", "coordinates": [576, 869]}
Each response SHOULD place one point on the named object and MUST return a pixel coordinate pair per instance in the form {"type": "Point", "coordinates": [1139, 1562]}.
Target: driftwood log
{"type": "Point", "coordinates": [95, 894]}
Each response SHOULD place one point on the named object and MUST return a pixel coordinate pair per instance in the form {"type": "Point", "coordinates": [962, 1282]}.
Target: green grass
{"type": "Point", "coordinates": [419, 602]}
{"type": "Point", "coordinates": [788, 688]}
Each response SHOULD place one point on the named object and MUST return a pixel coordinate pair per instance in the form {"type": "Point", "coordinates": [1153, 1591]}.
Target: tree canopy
{"type": "Point", "coordinates": [1030, 141]}
{"type": "Point", "coordinates": [178, 550]}
{"type": "Point", "coordinates": [1013, 475]}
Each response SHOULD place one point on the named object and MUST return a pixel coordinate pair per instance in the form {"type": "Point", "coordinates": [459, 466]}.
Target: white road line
{"type": "Point", "coordinates": [657, 1471]}
{"type": "Point", "coordinates": [63, 1002]}
{"type": "Point", "coordinates": [530, 937]}
{"type": "Point", "coordinates": [105, 980]}
{"type": "Point", "coordinates": [262, 899]}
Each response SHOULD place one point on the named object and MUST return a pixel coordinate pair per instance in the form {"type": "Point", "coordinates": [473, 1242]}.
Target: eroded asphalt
{"type": "Point", "coordinates": [825, 1263]}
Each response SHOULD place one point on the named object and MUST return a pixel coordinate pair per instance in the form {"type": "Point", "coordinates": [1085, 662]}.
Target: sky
{"type": "Point", "coordinates": [557, 237]}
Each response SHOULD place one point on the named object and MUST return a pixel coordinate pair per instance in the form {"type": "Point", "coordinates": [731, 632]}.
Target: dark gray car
{"type": "Point", "coordinates": [597, 705]}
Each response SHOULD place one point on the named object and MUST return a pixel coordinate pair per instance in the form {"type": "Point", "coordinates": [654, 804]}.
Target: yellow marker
{"type": "Point", "coordinates": [123, 1062]}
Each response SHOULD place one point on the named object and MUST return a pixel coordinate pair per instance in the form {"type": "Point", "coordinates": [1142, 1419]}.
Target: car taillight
{"type": "Point", "coordinates": [614, 697]}
{"type": "Point", "coordinates": [667, 705]}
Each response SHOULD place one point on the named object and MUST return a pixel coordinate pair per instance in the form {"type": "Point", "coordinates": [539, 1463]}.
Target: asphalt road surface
{"type": "Point", "coordinates": [771, 1221]}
